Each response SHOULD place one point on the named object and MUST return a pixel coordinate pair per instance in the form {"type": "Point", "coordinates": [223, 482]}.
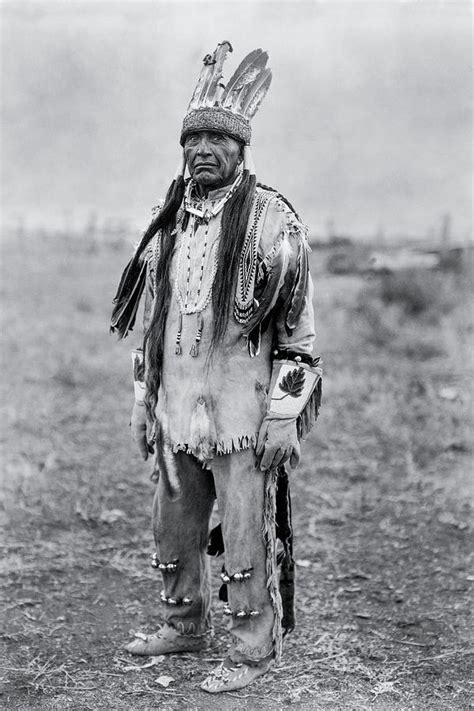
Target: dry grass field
{"type": "Point", "coordinates": [381, 500]}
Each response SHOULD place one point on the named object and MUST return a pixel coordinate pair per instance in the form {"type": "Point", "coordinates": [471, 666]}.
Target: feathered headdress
{"type": "Point", "coordinates": [228, 108]}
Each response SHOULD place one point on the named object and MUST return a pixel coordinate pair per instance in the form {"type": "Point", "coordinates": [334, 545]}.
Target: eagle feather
{"type": "Point", "coordinates": [256, 93]}
{"type": "Point", "coordinates": [208, 95]}
{"type": "Point", "coordinates": [245, 74]}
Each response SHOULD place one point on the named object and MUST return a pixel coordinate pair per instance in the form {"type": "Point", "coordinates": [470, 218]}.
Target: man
{"type": "Point", "coordinates": [228, 385]}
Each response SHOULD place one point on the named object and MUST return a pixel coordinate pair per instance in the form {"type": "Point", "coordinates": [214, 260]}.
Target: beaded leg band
{"type": "Point", "coordinates": [175, 601]}
{"type": "Point", "coordinates": [240, 613]}
{"type": "Point", "coordinates": [169, 567]}
{"type": "Point", "coordinates": [238, 577]}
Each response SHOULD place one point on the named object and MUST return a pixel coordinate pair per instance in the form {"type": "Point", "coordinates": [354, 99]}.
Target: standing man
{"type": "Point", "coordinates": [226, 384]}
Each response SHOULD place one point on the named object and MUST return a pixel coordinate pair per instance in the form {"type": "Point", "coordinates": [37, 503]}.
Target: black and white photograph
{"type": "Point", "coordinates": [236, 265]}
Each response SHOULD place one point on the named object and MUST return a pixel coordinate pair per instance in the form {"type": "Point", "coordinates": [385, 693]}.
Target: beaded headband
{"type": "Point", "coordinates": [228, 108]}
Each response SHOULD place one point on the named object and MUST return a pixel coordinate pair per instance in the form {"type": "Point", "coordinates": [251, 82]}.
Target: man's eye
{"type": "Point", "coordinates": [216, 138]}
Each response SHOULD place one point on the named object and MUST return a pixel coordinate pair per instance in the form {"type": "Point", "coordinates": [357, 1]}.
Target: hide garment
{"type": "Point", "coordinates": [214, 404]}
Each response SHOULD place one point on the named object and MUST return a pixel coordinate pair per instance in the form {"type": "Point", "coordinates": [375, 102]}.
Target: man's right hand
{"type": "Point", "coordinates": [138, 425]}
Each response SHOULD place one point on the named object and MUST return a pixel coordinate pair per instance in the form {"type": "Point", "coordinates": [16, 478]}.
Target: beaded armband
{"type": "Point", "coordinates": [138, 375]}
{"type": "Point", "coordinates": [294, 383]}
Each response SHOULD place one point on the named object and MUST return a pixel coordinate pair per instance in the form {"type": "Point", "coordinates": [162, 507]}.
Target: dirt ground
{"type": "Point", "coordinates": [382, 503]}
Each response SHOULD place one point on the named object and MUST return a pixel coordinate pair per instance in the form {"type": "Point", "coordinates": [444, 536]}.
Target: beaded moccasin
{"type": "Point", "coordinates": [231, 676]}
{"type": "Point", "coordinates": [168, 641]}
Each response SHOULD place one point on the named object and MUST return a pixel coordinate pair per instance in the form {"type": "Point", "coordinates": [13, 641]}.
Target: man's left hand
{"type": "Point", "coordinates": [278, 443]}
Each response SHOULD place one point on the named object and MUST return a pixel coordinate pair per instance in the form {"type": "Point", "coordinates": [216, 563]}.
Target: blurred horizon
{"type": "Point", "coordinates": [367, 127]}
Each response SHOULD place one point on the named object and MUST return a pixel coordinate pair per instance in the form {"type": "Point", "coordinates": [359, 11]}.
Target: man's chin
{"type": "Point", "coordinates": [206, 178]}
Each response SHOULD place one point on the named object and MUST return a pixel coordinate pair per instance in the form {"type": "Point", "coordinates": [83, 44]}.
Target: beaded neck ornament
{"type": "Point", "coordinates": [196, 206]}
{"type": "Point", "coordinates": [201, 211]}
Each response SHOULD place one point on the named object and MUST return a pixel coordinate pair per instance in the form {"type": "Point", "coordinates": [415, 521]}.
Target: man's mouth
{"type": "Point", "coordinates": [204, 165]}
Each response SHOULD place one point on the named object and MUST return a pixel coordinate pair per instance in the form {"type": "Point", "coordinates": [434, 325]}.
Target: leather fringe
{"type": "Point", "coordinates": [227, 446]}
{"type": "Point", "coordinates": [277, 266]}
{"type": "Point", "coordinates": [127, 299]}
{"type": "Point", "coordinates": [273, 270]}
{"type": "Point", "coordinates": [269, 533]}
{"type": "Point", "coordinates": [309, 415]}
{"type": "Point", "coordinates": [297, 299]}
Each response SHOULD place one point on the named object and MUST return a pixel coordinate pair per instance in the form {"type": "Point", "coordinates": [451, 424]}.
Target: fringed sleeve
{"type": "Point", "coordinates": [128, 298]}
{"type": "Point", "coordinates": [276, 265]}
{"type": "Point", "coordinates": [295, 318]}
{"type": "Point", "coordinates": [283, 287]}
{"type": "Point", "coordinates": [151, 257]}
{"type": "Point", "coordinates": [132, 284]}
{"type": "Point", "coordinates": [295, 314]}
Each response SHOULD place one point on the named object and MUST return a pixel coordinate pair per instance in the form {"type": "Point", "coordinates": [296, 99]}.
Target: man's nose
{"type": "Point", "coordinates": [203, 147]}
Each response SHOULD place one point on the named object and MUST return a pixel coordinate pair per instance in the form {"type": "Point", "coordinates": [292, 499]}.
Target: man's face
{"type": "Point", "coordinates": [212, 158]}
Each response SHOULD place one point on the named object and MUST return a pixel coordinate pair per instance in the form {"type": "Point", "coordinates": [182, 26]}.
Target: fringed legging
{"type": "Point", "coordinates": [246, 506]}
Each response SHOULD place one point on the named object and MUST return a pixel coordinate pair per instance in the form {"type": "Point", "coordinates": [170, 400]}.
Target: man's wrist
{"type": "Point", "coordinates": [282, 354]}
{"type": "Point", "coordinates": [293, 383]}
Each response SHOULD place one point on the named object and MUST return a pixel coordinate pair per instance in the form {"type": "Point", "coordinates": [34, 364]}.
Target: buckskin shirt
{"type": "Point", "coordinates": [216, 406]}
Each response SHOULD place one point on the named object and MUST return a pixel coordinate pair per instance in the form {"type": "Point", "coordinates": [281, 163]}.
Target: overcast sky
{"type": "Point", "coordinates": [367, 122]}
